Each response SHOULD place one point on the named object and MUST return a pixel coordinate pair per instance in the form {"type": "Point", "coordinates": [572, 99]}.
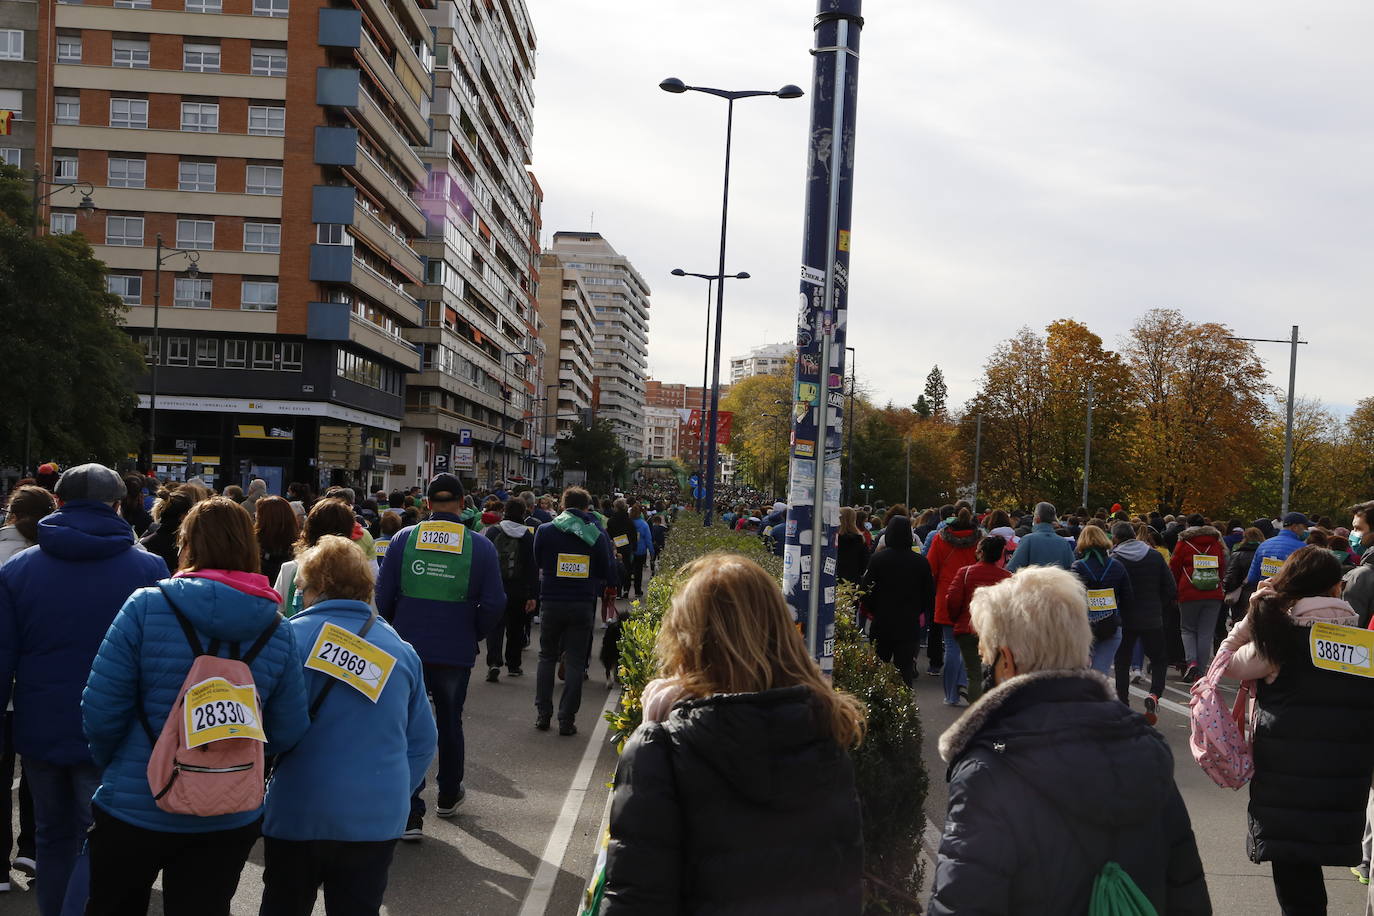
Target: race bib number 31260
{"type": "Point", "coordinates": [446, 537]}
{"type": "Point", "coordinates": [216, 709]}
{"type": "Point", "coordinates": [1348, 650]}
{"type": "Point", "coordinates": [349, 658]}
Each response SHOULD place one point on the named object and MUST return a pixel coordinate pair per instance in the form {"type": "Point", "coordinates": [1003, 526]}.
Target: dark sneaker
{"type": "Point", "coordinates": [567, 728]}
{"type": "Point", "coordinates": [515, 672]}
{"type": "Point", "coordinates": [1152, 709]}
{"type": "Point", "coordinates": [542, 723]}
{"type": "Point", "coordinates": [1191, 674]}
{"type": "Point", "coordinates": [493, 675]}
{"type": "Point", "coordinates": [447, 805]}
{"type": "Point", "coordinates": [415, 828]}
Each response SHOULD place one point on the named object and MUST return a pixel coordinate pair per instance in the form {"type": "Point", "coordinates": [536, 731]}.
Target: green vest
{"type": "Point", "coordinates": [437, 561]}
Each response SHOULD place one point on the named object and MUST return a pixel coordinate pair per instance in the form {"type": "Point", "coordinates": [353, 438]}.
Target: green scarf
{"type": "Point", "coordinates": [572, 524]}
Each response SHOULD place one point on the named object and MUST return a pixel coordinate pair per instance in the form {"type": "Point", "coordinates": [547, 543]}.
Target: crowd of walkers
{"type": "Point", "coordinates": [185, 672]}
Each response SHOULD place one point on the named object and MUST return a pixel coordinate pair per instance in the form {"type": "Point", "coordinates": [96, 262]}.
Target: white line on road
{"type": "Point", "coordinates": [1163, 703]}
{"type": "Point", "coordinates": [541, 889]}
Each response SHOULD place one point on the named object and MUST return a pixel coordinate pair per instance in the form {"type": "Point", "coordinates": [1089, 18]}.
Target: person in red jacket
{"type": "Point", "coordinates": [1197, 564]}
{"type": "Point", "coordinates": [987, 571]}
{"type": "Point", "coordinates": [951, 550]}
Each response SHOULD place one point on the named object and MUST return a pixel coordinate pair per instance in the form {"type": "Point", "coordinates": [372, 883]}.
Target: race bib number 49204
{"type": "Point", "coordinates": [216, 709]}
{"type": "Point", "coordinates": [446, 537]}
{"type": "Point", "coordinates": [350, 658]}
{"type": "Point", "coordinates": [573, 566]}
{"type": "Point", "coordinates": [1348, 650]}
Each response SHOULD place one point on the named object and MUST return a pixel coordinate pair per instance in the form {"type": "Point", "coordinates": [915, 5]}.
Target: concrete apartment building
{"type": "Point", "coordinates": [472, 405]}
{"type": "Point", "coordinates": [273, 139]}
{"type": "Point", "coordinates": [565, 308]}
{"type": "Point", "coordinates": [18, 78]}
{"type": "Point", "coordinates": [620, 307]}
{"type": "Point", "coordinates": [761, 360]}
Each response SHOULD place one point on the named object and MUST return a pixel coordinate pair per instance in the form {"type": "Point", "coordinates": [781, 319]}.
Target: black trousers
{"type": "Point", "coordinates": [353, 874]}
{"type": "Point", "coordinates": [26, 828]}
{"type": "Point", "coordinates": [637, 572]}
{"type": "Point", "coordinates": [1153, 643]}
{"type": "Point", "coordinates": [935, 644]}
{"type": "Point", "coordinates": [901, 653]}
{"type": "Point", "coordinates": [1300, 888]}
{"type": "Point", "coordinates": [510, 632]}
{"type": "Point", "coordinates": [200, 871]}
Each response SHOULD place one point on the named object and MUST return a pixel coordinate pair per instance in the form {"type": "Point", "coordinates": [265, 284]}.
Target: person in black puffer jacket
{"type": "Point", "coordinates": [851, 550]}
{"type": "Point", "coordinates": [1051, 778]}
{"type": "Point", "coordinates": [171, 507]}
{"type": "Point", "coordinates": [899, 591]}
{"type": "Point", "coordinates": [732, 798]}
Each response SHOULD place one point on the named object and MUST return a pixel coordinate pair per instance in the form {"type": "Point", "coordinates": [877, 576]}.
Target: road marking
{"type": "Point", "coordinates": [1163, 703]}
{"type": "Point", "coordinates": [551, 860]}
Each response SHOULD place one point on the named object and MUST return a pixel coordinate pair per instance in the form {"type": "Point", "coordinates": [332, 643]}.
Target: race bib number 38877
{"type": "Point", "coordinates": [1348, 650]}
{"type": "Point", "coordinates": [349, 658]}
{"type": "Point", "coordinates": [216, 709]}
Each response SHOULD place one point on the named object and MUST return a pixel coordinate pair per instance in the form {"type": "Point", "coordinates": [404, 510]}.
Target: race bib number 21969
{"type": "Point", "coordinates": [349, 658]}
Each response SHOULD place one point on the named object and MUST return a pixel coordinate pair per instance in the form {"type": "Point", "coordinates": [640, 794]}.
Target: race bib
{"type": "Point", "coordinates": [1101, 599]}
{"type": "Point", "coordinates": [446, 537]}
{"type": "Point", "coordinates": [1347, 650]}
{"type": "Point", "coordinates": [573, 566]}
{"type": "Point", "coordinates": [1206, 561]}
{"type": "Point", "coordinates": [916, 548]}
{"type": "Point", "coordinates": [1270, 566]}
{"type": "Point", "coordinates": [380, 546]}
{"type": "Point", "coordinates": [350, 658]}
{"type": "Point", "coordinates": [622, 540]}
{"type": "Point", "coordinates": [216, 709]}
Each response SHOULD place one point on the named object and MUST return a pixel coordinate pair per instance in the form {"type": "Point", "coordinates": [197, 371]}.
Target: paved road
{"type": "Point", "coordinates": [524, 787]}
{"type": "Point", "coordinates": [1238, 887]}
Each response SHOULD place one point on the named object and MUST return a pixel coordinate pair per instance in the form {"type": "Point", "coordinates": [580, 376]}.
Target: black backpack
{"type": "Point", "coordinates": [508, 555]}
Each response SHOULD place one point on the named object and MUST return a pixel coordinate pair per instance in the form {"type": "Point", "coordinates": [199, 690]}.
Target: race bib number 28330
{"type": "Point", "coordinates": [216, 709]}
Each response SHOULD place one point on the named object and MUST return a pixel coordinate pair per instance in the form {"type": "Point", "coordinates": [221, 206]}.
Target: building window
{"type": "Point", "coordinates": [178, 351]}
{"type": "Point", "coordinates": [269, 61]}
{"type": "Point", "coordinates": [200, 58]}
{"type": "Point", "coordinates": [134, 4]}
{"type": "Point", "coordinates": [235, 354]}
{"type": "Point", "coordinates": [130, 52]}
{"type": "Point", "coordinates": [128, 288]}
{"type": "Point", "coordinates": [195, 233]}
{"type": "Point", "coordinates": [200, 117]}
{"type": "Point", "coordinates": [124, 230]}
{"type": "Point", "coordinates": [192, 294]}
{"type": "Point", "coordinates": [130, 113]}
{"type": "Point", "coordinates": [291, 357]}
{"type": "Point", "coordinates": [275, 8]}
{"type": "Point", "coordinates": [196, 176]}
{"type": "Point", "coordinates": [203, 6]}
{"type": "Point", "coordinates": [266, 121]}
{"type": "Point", "coordinates": [127, 173]}
{"type": "Point", "coordinates": [12, 100]}
{"type": "Point", "coordinates": [64, 169]}
{"type": "Point", "coordinates": [67, 109]}
{"type": "Point", "coordinates": [148, 344]}
{"type": "Point", "coordinates": [69, 49]}
{"type": "Point", "coordinates": [61, 223]}
{"type": "Point", "coordinates": [259, 296]}
{"type": "Point", "coordinates": [335, 234]}
{"type": "Point", "coordinates": [207, 352]}
{"type": "Point", "coordinates": [264, 354]}
{"type": "Point", "coordinates": [10, 155]}
{"type": "Point", "coordinates": [262, 237]}
{"type": "Point", "coordinates": [263, 179]}
{"type": "Point", "coordinates": [11, 44]}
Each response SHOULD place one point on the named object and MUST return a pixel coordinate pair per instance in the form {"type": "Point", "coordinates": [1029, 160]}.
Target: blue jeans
{"type": "Point", "coordinates": [1104, 653]}
{"type": "Point", "coordinates": [565, 629]}
{"type": "Point", "coordinates": [954, 674]}
{"type": "Point", "coordinates": [62, 815]}
{"type": "Point", "coordinates": [448, 688]}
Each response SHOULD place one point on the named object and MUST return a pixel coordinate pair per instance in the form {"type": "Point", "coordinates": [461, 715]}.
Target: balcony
{"type": "Point", "coordinates": [124, 79]}
{"type": "Point", "coordinates": [381, 15]}
{"type": "Point", "coordinates": [406, 105]}
{"type": "Point", "coordinates": [169, 22]}
{"type": "Point", "coordinates": [335, 321]}
{"type": "Point", "coordinates": [380, 237]}
{"type": "Point", "coordinates": [238, 146]}
{"type": "Point", "coordinates": [377, 288]}
{"type": "Point", "coordinates": [374, 178]}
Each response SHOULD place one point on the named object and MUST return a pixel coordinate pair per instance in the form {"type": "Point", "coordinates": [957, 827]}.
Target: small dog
{"type": "Point", "coordinates": [610, 648]}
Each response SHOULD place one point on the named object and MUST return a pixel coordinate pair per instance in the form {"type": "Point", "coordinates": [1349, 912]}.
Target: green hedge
{"type": "Point", "coordinates": [888, 766]}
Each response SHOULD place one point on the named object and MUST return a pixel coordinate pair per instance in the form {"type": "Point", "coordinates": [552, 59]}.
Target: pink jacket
{"type": "Point", "coordinates": [1247, 664]}
{"type": "Point", "coordinates": [659, 696]}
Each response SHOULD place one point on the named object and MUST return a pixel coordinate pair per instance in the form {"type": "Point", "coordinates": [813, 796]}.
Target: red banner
{"type": "Point", "coordinates": [693, 423]}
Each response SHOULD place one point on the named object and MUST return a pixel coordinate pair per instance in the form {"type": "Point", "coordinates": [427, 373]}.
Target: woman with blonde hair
{"type": "Point", "coordinates": [737, 793]}
{"type": "Point", "coordinates": [1109, 593]}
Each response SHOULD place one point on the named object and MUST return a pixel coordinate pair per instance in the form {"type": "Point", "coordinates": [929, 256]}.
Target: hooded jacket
{"type": "Point", "coordinates": [583, 538]}
{"type": "Point", "coordinates": [619, 525]}
{"type": "Point", "coordinates": [1152, 585]}
{"type": "Point", "coordinates": [961, 589]}
{"type": "Point", "coordinates": [1050, 777]}
{"type": "Point", "coordinates": [1278, 547]}
{"type": "Point", "coordinates": [951, 550]}
{"type": "Point", "coordinates": [144, 660]}
{"type": "Point", "coordinates": [525, 585]}
{"type": "Point", "coordinates": [899, 589]}
{"type": "Point", "coordinates": [1203, 540]}
{"type": "Point", "coordinates": [851, 557]}
{"type": "Point", "coordinates": [735, 805]}
{"type": "Point", "coordinates": [1042, 547]}
{"type": "Point", "coordinates": [56, 603]}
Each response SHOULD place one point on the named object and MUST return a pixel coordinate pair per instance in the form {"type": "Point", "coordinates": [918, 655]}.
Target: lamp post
{"type": "Point", "coordinates": [1087, 448]}
{"type": "Point", "coordinates": [544, 443]}
{"type": "Point", "coordinates": [705, 360]}
{"type": "Point", "coordinates": [1293, 342]}
{"type": "Point", "coordinates": [849, 420]}
{"type": "Point", "coordinates": [192, 272]}
{"type": "Point", "coordinates": [505, 404]}
{"type": "Point", "coordinates": [674, 85]}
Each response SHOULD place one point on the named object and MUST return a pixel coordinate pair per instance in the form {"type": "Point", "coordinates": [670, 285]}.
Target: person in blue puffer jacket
{"type": "Point", "coordinates": [138, 673]}
{"type": "Point", "coordinates": [370, 742]}
{"type": "Point", "coordinates": [1270, 555]}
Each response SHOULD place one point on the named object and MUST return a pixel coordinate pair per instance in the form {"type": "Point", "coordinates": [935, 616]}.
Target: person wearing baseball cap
{"type": "Point", "coordinates": [56, 604]}
{"type": "Point", "coordinates": [441, 588]}
{"type": "Point", "coordinates": [1270, 556]}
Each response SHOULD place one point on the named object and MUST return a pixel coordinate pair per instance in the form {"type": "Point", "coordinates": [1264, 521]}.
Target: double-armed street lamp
{"type": "Point", "coordinates": [677, 86]}
{"type": "Point", "coordinates": [192, 272]}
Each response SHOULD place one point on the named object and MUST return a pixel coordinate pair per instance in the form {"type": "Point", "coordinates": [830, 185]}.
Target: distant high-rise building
{"type": "Point", "coordinates": [565, 308]}
{"type": "Point", "coordinates": [18, 81]}
{"type": "Point", "coordinates": [620, 309]}
{"type": "Point", "coordinates": [762, 360]}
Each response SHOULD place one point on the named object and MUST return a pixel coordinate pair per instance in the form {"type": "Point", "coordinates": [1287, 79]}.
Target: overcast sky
{"type": "Point", "coordinates": [1016, 163]}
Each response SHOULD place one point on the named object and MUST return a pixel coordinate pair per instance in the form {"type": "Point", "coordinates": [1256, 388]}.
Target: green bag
{"type": "Point", "coordinates": [1116, 894]}
{"type": "Point", "coordinates": [596, 890]}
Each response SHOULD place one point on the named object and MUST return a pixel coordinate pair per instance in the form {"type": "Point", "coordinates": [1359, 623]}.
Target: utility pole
{"type": "Point", "coordinates": [977, 458]}
{"type": "Point", "coordinates": [1088, 448]}
{"type": "Point", "coordinates": [1294, 343]}
{"type": "Point", "coordinates": [908, 474]}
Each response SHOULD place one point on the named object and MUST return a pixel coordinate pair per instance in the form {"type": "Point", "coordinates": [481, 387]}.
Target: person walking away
{"type": "Point", "coordinates": [1269, 557]}
{"type": "Point", "coordinates": [1359, 582]}
{"type": "Point", "coordinates": [276, 530]}
{"type": "Point", "coordinates": [514, 542]}
{"type": "Point", "coordinates": [391, 523]}
{"type": "Point", "coordinates": [1313, 738]}
{"type": "Point", "coordinates": [1152, 587]}
{"type": "Point", "coordinates": [743, 752]}
{"type": "Point", "coordinates": [1052, 782]}
{"type": "Point", "coordinates": [987, 571]}
{"type": "Point", "coordinates": [328, 516]}
{"type": "Point", "coordinates": [1236, 591]}
{"type": "Point", "coordinates": [131, 509]}
{"type": "Point", "coordinates": [851, 553]}
{"type": "Point", "coordinates": [644, 545]}
{"type": "Point", "coordinates": [899, 593]}
{"type": "Point", "coordinates": [218, 605]}
{"type": "Point", "coordinates": [577, 564]}
{"type": "Point", "coordinates": [370, 741]}
{"type": "Point", "coordinates": [1196, 565]}
{"type": "Point", "coordinates": [171, 507]}
{"type": "Point", "coordinates": [625, 538]}
{"type": "Point", "coordinates": [257, 489]}
{"type": "Point", "coordinates": [659, 535]}
{"type": "Point", "coordinates": [951, 550]}
{"type": "Point", "coordinates": [1109, 594]}
{"type": "Point", "coordinates": [440, 587]}
{"type": "Point", "coordinates": [27, 506]}
{"type": "Point", "coordinates": [56, 603]}
{"type": "Point", "coordinates": [1043, 546]}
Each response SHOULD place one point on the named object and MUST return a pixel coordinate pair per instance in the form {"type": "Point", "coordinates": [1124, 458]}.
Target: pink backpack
{"type": "Point", "coordinates": [1219, 740]}
{"type": "Point", "coordinates": [208, 759]}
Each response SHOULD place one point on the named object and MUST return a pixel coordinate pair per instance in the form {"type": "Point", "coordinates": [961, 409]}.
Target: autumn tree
{"type": "Point", "coordinates": [762, 427]}
{"type": "Point", "coordinates": [937, 392]}
{"type": "Point", "coordinates": [1012, 400]}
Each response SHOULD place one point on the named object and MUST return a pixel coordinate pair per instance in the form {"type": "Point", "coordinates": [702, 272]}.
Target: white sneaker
{"type": "Point", "coordinates": [1137, 675]}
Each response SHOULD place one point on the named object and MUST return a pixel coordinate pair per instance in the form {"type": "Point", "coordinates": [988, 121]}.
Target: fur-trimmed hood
{"type": "Point", "coordinates": [959, 537]}
{"type": "Point", "coordinates": [957, 737]}
{"type": "Point", "coordinates": [1199, 531]}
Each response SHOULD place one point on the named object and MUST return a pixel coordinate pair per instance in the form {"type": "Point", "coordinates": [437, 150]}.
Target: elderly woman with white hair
{"type": "Point", "coordinates": [1052, 780]}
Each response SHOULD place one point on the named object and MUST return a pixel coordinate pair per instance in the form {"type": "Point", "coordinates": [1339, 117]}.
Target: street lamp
{"type": "Point", "coordinates": [849, 418]}
{"type": "Point", "coordinates": [505, 404]}
{"type": "Point", "coordinates": [1288, 426]}
{"type": "Point", "coordinates": [87, 205]}
{"type": "Point", "coordinates": [677, 86]}
{"type": "Point", "coordinates": [192, 272]}
{"type": "Point", "coordinates": [706, 358]}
